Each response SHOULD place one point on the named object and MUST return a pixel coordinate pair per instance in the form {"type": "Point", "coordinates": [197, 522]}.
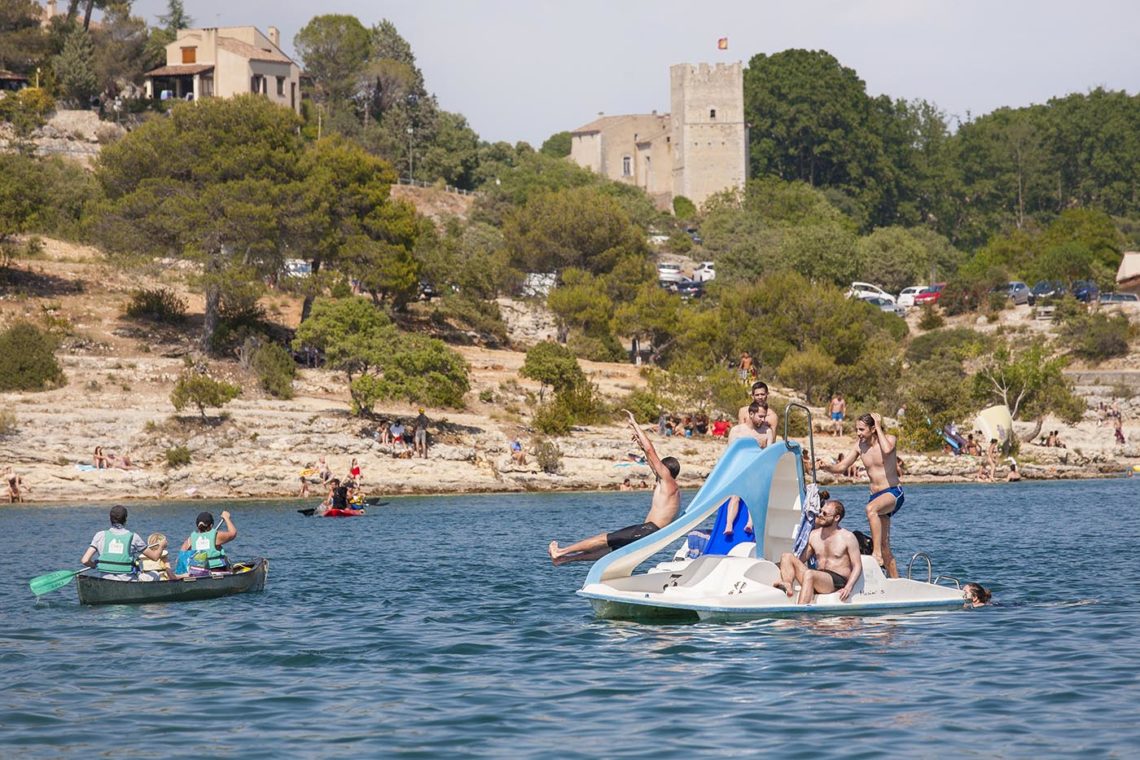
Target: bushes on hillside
{"type": "Point", "coordinates": [29, 362]}
{"type": "Point", "coordinates": [158, 305]}
{"type": "Point", "coordinates": [275, 369]}
{"type": "Point", "coordinates": [198, 389]}
{"type": "Point", "coordinates": [1097, 337]}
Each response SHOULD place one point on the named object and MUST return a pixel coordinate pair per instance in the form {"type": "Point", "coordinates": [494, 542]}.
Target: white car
{"type": "Point", "coordinates": [705, 272]}
{"type": "Point", "coordinates": [867, 290]}
{"type": "Point", "coordinates": [906, 295]}
{"type": "Point", "coordinates": [669, 272]}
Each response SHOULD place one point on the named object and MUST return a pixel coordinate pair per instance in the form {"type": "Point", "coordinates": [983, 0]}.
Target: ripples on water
{"type": "Point", "coordinates": [437, 625]}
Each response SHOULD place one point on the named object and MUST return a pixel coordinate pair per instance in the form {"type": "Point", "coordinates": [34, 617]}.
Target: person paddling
{"type": "Point", "coordinates": [114, 553]}
{"type": "Point", "coordinates": [206, 544]}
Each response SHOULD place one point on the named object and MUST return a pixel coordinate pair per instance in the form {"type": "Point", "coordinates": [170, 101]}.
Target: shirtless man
{"type": "Point", "coordinates": [836, 552]}
{"type": "Point", "coordinates": [759, 393]}
{"type": "Point", "coordinates": [837, 409]}
{"type": "Point", "coordinates": [757, 429]}
{"type": "Point", "coordinates": [876, 449]}
{"type": "Point", "coordinates": [662, 509]}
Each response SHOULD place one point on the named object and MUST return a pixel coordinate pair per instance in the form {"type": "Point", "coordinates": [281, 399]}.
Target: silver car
{"type": "Point", "coordinates": [885, 305]}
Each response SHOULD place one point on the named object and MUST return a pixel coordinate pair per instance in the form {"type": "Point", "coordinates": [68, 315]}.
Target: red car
{"type": "Point", "coordinates": [930, 295]}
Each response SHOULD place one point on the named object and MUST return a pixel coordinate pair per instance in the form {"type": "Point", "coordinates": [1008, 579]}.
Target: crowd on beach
{"type": "Point", "coordinates": [118, 553]}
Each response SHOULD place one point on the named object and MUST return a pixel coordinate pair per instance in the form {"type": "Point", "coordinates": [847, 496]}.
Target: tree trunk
{"type": "Point", "coordinates": [1036, 429]}
{"type": "Point", "coordinates": [307, 304]}
{"type": "Point", "coordinates": [210, 320]}
{"type": "Point", "coordinates": [72, 9]}
{"type": "Point", "coordinates": [87, 15]}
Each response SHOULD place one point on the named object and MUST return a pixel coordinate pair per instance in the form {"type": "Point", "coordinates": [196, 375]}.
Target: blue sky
{"type": "Point", "coordinates": [524, 69]}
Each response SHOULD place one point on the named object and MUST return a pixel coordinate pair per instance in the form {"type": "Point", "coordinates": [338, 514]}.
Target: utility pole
{"type": "Point", "coordinates": [411, 164]}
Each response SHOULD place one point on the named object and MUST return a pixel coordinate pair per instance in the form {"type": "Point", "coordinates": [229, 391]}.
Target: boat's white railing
{"type": "Point", "coordinates": [811, 435]}
{"type": "Point", "coordinates": [929, 566]}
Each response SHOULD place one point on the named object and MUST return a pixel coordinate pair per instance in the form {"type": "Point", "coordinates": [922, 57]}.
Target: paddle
{"type": "Point", "coordinates": [42, 584]}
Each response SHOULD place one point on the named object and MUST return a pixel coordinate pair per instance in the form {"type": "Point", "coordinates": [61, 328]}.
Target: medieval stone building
{"type": "Point", "coordinates": [696, 150]}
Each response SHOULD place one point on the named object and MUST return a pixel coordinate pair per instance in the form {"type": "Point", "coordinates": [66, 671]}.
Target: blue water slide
{"type": "Point", "coordinates": [745, 470]}
{"type": "Point", "coordinates": [721, 544]}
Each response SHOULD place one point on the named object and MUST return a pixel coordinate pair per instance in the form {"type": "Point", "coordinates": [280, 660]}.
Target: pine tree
{"type": "Point", "coordinates": [74, 69]}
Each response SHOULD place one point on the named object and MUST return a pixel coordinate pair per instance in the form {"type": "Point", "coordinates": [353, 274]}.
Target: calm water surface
{"type": "Point", "coordinates": [437, 625]}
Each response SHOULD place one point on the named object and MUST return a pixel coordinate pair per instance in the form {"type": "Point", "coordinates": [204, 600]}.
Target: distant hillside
{"type": "Point", "coordinates": [435, 202]}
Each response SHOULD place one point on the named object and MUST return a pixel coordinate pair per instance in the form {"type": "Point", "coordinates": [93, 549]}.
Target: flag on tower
{"type": "Point", "coordinates": [722, 43]}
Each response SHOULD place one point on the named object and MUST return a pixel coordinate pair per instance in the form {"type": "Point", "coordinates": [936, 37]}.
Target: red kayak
{"type": "Point", "coordinates": [344, 513]}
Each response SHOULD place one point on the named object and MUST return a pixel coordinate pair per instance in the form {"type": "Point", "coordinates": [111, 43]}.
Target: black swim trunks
{"type": "Point", "coordinates": [839, 580]}
{"type": "Point", "coordinates": [620, 538]}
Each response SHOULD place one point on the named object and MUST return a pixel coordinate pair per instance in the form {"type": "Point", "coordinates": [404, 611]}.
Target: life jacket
{"type": "Point", "coordinates": [205, 550]}
{"type": "Point", "coordinates": [115, 556]}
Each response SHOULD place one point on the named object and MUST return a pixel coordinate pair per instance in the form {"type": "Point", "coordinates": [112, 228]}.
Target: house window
{"type": "Point", "coordinates": [207, 85]}
{"type": "Point", "coordinates": [281, 86]}
{"type": "Point", "coordinates": [626, 166]}
{"type": "Point", "coordinates": [189, 55]}
{"type": "Point", "coordinates": [712, 113]}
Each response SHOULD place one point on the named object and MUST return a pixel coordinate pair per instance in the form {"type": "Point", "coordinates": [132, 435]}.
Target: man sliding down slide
{"type": "Point", "coordinates": [662, 510]}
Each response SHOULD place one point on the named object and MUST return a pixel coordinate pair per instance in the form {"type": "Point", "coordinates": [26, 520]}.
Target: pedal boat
{"type": "Point", "coordinates": [737, 584]}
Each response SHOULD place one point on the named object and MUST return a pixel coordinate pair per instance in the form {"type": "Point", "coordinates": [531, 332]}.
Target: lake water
{"type": "Point", "coordinates": [438, 626]}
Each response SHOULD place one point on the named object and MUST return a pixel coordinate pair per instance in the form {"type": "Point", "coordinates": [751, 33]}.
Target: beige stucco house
{"type": "Point", "coordinates": [226, 61]}
{"type": "Point", "coordinates": [1128, 274]}
{"type": "Point", "coordinates": [696, 150]}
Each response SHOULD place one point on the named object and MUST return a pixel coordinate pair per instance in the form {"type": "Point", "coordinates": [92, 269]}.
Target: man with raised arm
{"type": "Point", "coordinates": [836, 552]}
{"type": "Point", "coordinates": [877, 450]}
{"type": "Point", "coordinates": [662, 509]}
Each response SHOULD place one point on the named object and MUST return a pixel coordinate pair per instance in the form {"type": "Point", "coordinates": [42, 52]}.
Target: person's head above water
{"type": "Point", "coordinates": [976, 594]}
{"type": "Point", "coordinates": [118, 515]}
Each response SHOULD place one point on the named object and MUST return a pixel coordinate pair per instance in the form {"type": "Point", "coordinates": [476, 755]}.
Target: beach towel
{"type": "Point", "coordinates": [807, 520]}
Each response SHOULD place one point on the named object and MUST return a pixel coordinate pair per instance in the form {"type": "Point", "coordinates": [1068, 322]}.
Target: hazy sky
{"type": "Point", "coordinates": [525, 69]}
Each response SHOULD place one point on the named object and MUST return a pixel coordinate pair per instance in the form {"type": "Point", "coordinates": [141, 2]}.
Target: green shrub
{"type": "Point", "coordinates": [275, 369]}
{"type": "Point", "coordinates": [28, 360]}
{"type": "Point", "coordinates": [157, 304]}
{"type": "Point", "coordinates": [552, 364]}
{"type": "Point", "coordinates": [27, 109]}
{"type": "Point", "coordinates": [1097, 337]}
{"type": "Point", "coordinates": [200, 390]}
{"type": "Point", "coordinates": [930, 319]}
{"type": "Point", "coordinates": [177, 456]}
{"type": "Point", "coordinates": [548, 456]}
{"type": "Point", "coordinates": [553, 418]}
{"type": "Point", "coordinates": [8, 422]}
{"type": "Point", "coordinates": [645, 405]}
{"type": "Point", "coordinates": [480, 316]}
{"type": "Point", "coordinates": [487, 396]}
{"type": "Point", "coordinates": [957, 342]}
{"type": "Point", "coordinates": [683, 208]}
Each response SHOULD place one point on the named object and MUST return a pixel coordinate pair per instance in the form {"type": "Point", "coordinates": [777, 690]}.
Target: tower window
{"type": "Point", "coordinates": [712, 113]}
{"type": "Point", "coordinates": [626, 166]}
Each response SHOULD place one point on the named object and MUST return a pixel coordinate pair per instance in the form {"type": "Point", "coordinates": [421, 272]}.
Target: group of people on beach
{"type": "Point", "coordinates": [118, 553]}
{"type": "Point", "coordinates": [831, 560]}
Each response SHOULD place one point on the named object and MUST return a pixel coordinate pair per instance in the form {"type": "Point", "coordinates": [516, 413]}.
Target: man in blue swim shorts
{"type": "Point", "coordinates": [838, 410]}
{"type": "Point", "coordinates": [880, 458]}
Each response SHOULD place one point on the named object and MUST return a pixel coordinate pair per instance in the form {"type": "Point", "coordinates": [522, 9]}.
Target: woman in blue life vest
{"type": "Point", "coordinates": [114, 553]}
{"type": "Point", "coordinates": [206, 542]}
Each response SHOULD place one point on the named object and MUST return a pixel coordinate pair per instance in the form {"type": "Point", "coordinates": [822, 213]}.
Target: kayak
{"type": "Point", "coordinates": [344, 513]}
{"type": "Point", "coordinates": [248, 576]}
{"type": "Point", "coordinates": [311, 511]}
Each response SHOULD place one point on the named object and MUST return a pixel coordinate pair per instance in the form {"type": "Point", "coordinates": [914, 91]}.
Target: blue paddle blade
{"type": "Point", "coordinates": [50, 582]}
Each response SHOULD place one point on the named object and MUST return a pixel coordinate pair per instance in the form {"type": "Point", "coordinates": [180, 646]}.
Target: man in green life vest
{"type": "Point", "coordinates": [206, 542]}
{"type": "Point", "coordinates": [114, 553]}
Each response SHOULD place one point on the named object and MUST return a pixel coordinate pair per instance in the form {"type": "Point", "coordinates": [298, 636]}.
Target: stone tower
{"type": "Point", "coordinates": [708, 135]}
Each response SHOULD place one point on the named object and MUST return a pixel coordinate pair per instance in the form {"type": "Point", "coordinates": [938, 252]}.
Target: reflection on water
{"type": "Point", "coordinates": [438, 626]}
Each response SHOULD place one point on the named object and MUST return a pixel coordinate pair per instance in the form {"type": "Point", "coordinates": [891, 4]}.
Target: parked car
{"type": "Point", "coordinates": [427, 291]}
{"type": "Point", "coordinates": [1046, 289]}
{"type": "Point", "coordinates": [1119, 298]}
{"type": "Point", "coordinates": [1085, 291]}
{"type": "Point", "coordinates": [885, 305]}
{"type": "Point", "coordinates": [667, 271]}
{"type": "Point", "coordinates": [1017, 291]}
{"type": "Point", "coordinates": [906, 295]}
{"type": "Point", "coordinates": [867, 290]}
{"type": "Point", "coordinates": [704, 272]}
{"type": "Point", "coordinates": [297, 268]}
{"type": "Point", "coordinates": [930, 295]}
{"type": "Point", "coordinates": [688, 288]}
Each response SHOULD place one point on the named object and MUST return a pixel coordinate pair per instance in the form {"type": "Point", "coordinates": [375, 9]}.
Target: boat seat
{"type": "Point", "coordinates": [872, 581]}
{"type": "Point", "coordinates": [743, 549]}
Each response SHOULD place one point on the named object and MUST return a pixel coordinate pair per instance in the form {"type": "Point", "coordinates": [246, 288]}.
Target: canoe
{"type": "Point", "coordinates": [94, 590]}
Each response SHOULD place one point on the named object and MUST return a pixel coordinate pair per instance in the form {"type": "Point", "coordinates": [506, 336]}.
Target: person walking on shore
{"type": "Point", "coordinates": [877, 450]}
